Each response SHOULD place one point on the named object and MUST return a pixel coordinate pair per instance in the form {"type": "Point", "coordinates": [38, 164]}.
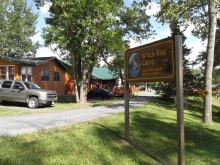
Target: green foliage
{"type": "Point", "coordinates": [188, 12]}
{"type": "Point", "coordinates": [17, 27]}
{"type": "Point", "coordinates": [191, 81]}
{"type": "Point", "coordinates": [216, 77]}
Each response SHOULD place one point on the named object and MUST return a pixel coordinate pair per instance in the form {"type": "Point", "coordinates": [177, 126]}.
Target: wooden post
{"type": "Point", "coordinates": [127, 127]}
{"type": "Point", "coordinates": [180, 99]}
{"type": "Point", "coordinates": [126, 103]}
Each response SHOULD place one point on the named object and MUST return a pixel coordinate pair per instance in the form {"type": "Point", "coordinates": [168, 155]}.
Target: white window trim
{"type": "Point", "coordinates": [26, 72]}
{"type": "Point", "coordinates": [7, 70]}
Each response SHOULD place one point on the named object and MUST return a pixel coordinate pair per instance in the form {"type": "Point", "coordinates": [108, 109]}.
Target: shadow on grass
{"type": "Point", "coordinates": [159, 137]}
{"type": "Point", "coordinates": [13, 104]}
{"type": "Point", "coordinates": [216, 113]}
{"type": "Point", "coordinates": [169, 105]}
{"type": "Point", "coordinates": [128, 147]}
{"type": "Point", "coordinates": [197, 106]}
{"type": "Point", "coordinates": [21, 105]}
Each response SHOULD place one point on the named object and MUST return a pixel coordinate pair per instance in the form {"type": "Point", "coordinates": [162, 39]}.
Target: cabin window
{"type": "Point", "coordinates": [11, 72]}
{"type": "Point", "coordinates": [3, 72]}
{"type": "Point", "coordinates": [56, 76]}
{"type": "Point", "coordinates": [26, 73]}
{"type": "Point", "coordinates": [45, 76]}
{"type": "Point", "coordinates": [7, 72]}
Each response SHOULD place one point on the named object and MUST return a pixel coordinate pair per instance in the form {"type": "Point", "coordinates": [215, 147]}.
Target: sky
{"type": "Point", "coordinates": [162, 31]}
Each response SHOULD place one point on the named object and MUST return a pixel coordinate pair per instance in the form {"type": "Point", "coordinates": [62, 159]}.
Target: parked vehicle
{"type": "Point", "coordinates": [142, 88]}
{"type": "Point", "coordinates": [26, 92]}
{"type": "Point", "coordinates": [100, 93]}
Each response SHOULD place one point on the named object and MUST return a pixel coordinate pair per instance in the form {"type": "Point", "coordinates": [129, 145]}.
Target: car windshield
{"type": "Point", "coordinates": [31, 85]}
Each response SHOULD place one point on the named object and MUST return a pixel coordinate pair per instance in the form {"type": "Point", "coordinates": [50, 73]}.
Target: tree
{"type": "Point", "coordinates": [203, 15]}
{"type": "Point", "coordinates": [17, 27]}
{"type": "Point", "coordinates": [92, 29]}
{"type": "Point", "coordinates": [116, 64]}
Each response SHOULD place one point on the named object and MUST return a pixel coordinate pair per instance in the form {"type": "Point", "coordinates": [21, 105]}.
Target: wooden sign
{"type": "Point", "coordinates": [151, 62]}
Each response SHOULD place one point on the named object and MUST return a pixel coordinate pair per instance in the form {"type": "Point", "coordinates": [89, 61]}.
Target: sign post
{"type": "Point", "coordinates": [180, 98]}
{"type": "Point", "coordinates": [126, 97]}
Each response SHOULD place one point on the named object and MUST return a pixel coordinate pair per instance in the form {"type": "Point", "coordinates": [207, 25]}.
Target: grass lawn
{"type": "Point", "coordinates": [153, 140]}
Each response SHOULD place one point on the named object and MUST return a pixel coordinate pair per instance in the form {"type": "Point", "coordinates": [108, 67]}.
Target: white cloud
{"type": "Point", "coordinates": [164, 33]}
{"type": "Point", "coordinates": [188, 31]}
{"type": "Point", "coordinates": [196, 46]}
{"type": "Point", "coordinates": [152, 9]}
{"type": "Point", "coordinates": [37, 38]}
{"type": "Point", "coordinates": [45, 52]}
{"type": "Point", "coordinates": [45, 8]}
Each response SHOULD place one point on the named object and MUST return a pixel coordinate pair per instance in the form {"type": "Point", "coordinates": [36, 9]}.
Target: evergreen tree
{"type": "Point", "coordinates": [167, 89]}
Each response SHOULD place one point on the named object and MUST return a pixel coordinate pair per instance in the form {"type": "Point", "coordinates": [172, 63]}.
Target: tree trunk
{"type": "Point", "coordinates": [85, 84]}
{"type": "Point", "coordinates": [207, 115]}
{"type": "Point", "coordinates": [83, 88]}
{"type": "Point", "coordinates": [74, 77]}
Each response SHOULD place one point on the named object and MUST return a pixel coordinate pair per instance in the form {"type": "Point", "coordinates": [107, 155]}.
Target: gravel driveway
{"type": "Point", "coordinates": [13, 125]}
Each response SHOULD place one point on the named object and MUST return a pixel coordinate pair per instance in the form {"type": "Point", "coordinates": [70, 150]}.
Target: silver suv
{"type": "Point", "coordinates": [26, 92]}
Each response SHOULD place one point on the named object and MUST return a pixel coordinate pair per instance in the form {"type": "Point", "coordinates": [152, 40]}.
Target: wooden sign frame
{"type": "Point", "coordinates": [152, 62]}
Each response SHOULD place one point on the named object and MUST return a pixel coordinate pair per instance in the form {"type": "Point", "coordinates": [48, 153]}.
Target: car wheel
{"type": "Point", "coordinates": [33, 102]}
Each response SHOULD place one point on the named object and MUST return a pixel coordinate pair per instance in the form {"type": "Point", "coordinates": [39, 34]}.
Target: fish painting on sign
{"type": "Point", "coordinates": [134, 65]}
